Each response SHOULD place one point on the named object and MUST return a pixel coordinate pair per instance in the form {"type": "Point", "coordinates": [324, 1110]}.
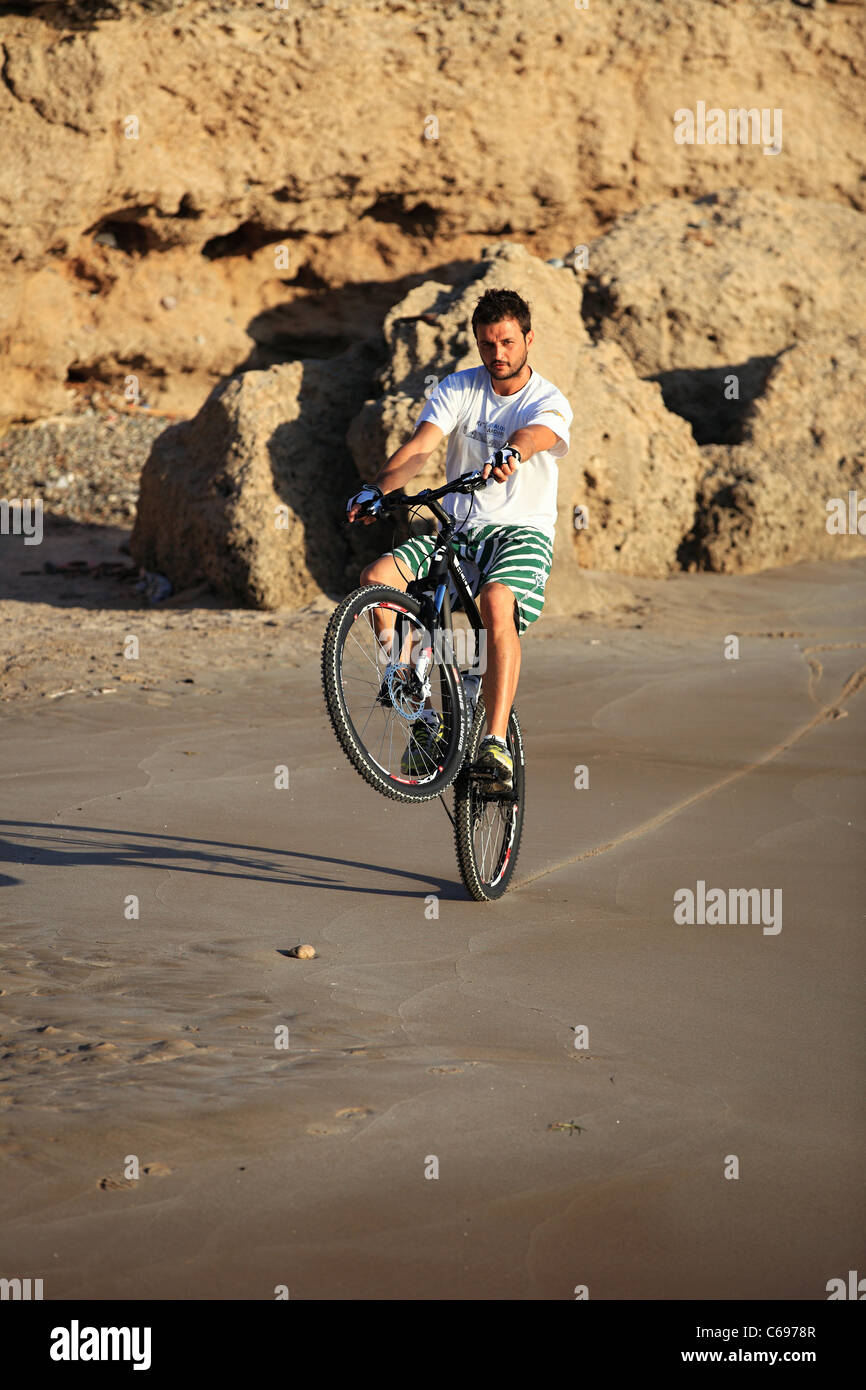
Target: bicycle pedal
{"type": "Point", "coordinates": [492, 784]}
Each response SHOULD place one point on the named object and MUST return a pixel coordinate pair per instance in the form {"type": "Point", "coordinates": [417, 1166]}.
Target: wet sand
{"type": "Point", "coordinates": [414, 1036]}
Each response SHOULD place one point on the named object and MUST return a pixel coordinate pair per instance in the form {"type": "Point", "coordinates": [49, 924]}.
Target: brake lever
{"type": "Point", "coordinates": [391, 500]}
{"type": "Point", "coordinates": [477, 481]}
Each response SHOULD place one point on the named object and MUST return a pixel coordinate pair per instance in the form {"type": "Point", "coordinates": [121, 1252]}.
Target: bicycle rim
{"type": "Point", "coordinates": [488, 826]}
{"type": "Point", "coordinates": [374, 699]}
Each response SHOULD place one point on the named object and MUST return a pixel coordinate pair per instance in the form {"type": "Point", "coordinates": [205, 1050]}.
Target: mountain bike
{"type": "Point", "coordinates": [388, 657]}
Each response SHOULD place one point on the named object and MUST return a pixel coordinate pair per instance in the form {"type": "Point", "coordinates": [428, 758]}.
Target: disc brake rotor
{"type": "Point", "coordinates": [407, 696]}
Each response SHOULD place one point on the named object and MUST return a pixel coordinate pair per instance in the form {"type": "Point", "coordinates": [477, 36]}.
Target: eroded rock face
{"type": "Point", "coordinates": [696, 291]}
{"type": "Point", "coordinates": [250, 495]}
{"type": "Point", "coordinates": [765, 502]}
{"type": "Point", "coordinates": [632, 471]}
{"type": "Point", "coordinates": [156, 157]}
{"type": "Point", "coordinates": [747, 309]}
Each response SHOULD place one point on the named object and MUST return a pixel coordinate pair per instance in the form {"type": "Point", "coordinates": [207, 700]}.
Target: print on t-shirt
{"type": "Point", "coordinates": [489, 433]}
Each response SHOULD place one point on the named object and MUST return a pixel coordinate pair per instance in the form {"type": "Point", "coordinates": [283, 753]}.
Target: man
{"type": "Point", "coordinates": [506, 419]}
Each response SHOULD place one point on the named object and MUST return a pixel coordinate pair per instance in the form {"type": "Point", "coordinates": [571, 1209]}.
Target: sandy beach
{"type": "Point", "coordinates": [285, 1115]}
{"type": "Point", "coordinates": [244, 251]}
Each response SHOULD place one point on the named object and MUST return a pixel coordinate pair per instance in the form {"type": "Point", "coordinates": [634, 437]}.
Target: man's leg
{"type": "Point", "coordinates": [385, 570]}
{"type": "Point", "coordinates": [420, 756]}
{"type": "Point", "coordinates": [496, 603]}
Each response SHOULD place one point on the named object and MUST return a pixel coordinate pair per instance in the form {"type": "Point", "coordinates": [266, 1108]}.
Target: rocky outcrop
{"type": "Point", "coordinates": [190, 188]}
{"type": "Point", "coordinates": [746, 309]}
{"type": "Point", "coordinates": [779, 497]}
{"type": "Point", "coordinates": [250, 495]}
{"type": "Point", "coordinates": [631, 472]}
{"type": "Point", "coordinates": [715, 282]}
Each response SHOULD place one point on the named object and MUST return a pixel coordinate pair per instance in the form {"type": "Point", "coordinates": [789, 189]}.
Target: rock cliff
{"type": "Point", "coordinates": [192, 188]}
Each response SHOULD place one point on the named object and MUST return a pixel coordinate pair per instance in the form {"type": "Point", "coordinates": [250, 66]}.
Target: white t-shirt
{"type": "Point", "coordinates": [477, 421]}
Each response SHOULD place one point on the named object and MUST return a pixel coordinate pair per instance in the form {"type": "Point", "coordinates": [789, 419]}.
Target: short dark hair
{"type": "Point", "coordinates": [496, 305]}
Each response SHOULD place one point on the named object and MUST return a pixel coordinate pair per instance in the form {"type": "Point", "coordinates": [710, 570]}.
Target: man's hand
{"type": "Point", "coordinates": [409, 459]}
{"type": "Point", "coordinates": [359, 503]}
{"type": "Point", "coordinates": [502, 463]}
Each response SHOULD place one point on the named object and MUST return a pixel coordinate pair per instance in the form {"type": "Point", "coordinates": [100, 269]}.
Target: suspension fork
{"type": "Point", "coordinates": [435, 601]}
{"type": "Point", "coordinates": [432, 594]}
{"type": "Point", "coordinates": [432, 605]}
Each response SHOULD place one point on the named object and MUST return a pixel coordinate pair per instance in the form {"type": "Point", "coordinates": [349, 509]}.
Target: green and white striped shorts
{"type": "Point", "coordinates": [519, 556]}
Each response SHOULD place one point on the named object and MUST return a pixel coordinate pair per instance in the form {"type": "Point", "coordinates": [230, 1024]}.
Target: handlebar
{"type": "Point", "coordinates": [466, 483]}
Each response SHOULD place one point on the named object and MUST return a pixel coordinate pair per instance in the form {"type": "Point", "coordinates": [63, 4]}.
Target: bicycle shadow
{"type": "Point", "coordinates": [50, 844]}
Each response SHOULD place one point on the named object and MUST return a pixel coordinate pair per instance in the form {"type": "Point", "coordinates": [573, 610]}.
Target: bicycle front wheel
{"type": "Point", "coordinates": [487, 824]}
{"type": "Point", "coordinates": [395, 699]}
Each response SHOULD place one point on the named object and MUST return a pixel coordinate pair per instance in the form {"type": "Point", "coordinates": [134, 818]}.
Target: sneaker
{"type": "Point", "coordinates": [426, 746]}
{"type": "Point", "coordinates": [495, 762]}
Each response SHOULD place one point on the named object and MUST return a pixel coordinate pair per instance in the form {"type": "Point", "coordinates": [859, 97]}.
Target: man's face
{"type": "Point", "coordinates": [503, 348]}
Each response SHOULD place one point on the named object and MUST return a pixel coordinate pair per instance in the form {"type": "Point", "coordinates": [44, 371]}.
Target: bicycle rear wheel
{"type": "Point", "coordinates": [488, 825]}
{"type": "Point", "coordinates": [375, 692]}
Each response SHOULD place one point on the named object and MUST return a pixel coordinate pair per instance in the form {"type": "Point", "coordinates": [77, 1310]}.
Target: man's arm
{"type": "Point", "coordinates": [408, 460]}
{"type": "Point", "coordinates": [528, 440]}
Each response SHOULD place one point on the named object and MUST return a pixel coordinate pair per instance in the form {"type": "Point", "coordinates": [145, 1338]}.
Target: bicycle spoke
{"type": "Point", "coordinates": [363, 730]}
{"type": "Point", "coordinates": [370, 664]}
{"type": "Point", "coordinates": [363, 679]}
{"type": "Point", "coordinates": [387, 732]}
{"type": "Point", "coordinates": [428, 758]}
{"type": "Point", "coordinates": [486, 853]}
{"type": "Point", "coordinates": [364, 654]}
{"type": "Point", "coordinates": [356, 682]}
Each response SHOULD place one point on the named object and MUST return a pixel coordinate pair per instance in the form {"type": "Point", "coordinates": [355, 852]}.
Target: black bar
{"type": "Point", "coordinates": [250, 1338]}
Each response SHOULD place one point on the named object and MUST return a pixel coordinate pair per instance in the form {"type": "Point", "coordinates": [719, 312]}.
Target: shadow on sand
{"type": "Point", "coordinates": [76, 846]}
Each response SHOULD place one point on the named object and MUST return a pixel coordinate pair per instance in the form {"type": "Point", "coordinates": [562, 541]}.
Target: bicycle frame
{"type": "Point", "coordinates": [432, 591]}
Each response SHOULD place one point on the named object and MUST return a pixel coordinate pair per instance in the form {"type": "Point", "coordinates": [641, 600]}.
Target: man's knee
{"type": "Point", "coordinates": [498, 605]}
{"type": "Point", "coordinates": [381, 571]}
